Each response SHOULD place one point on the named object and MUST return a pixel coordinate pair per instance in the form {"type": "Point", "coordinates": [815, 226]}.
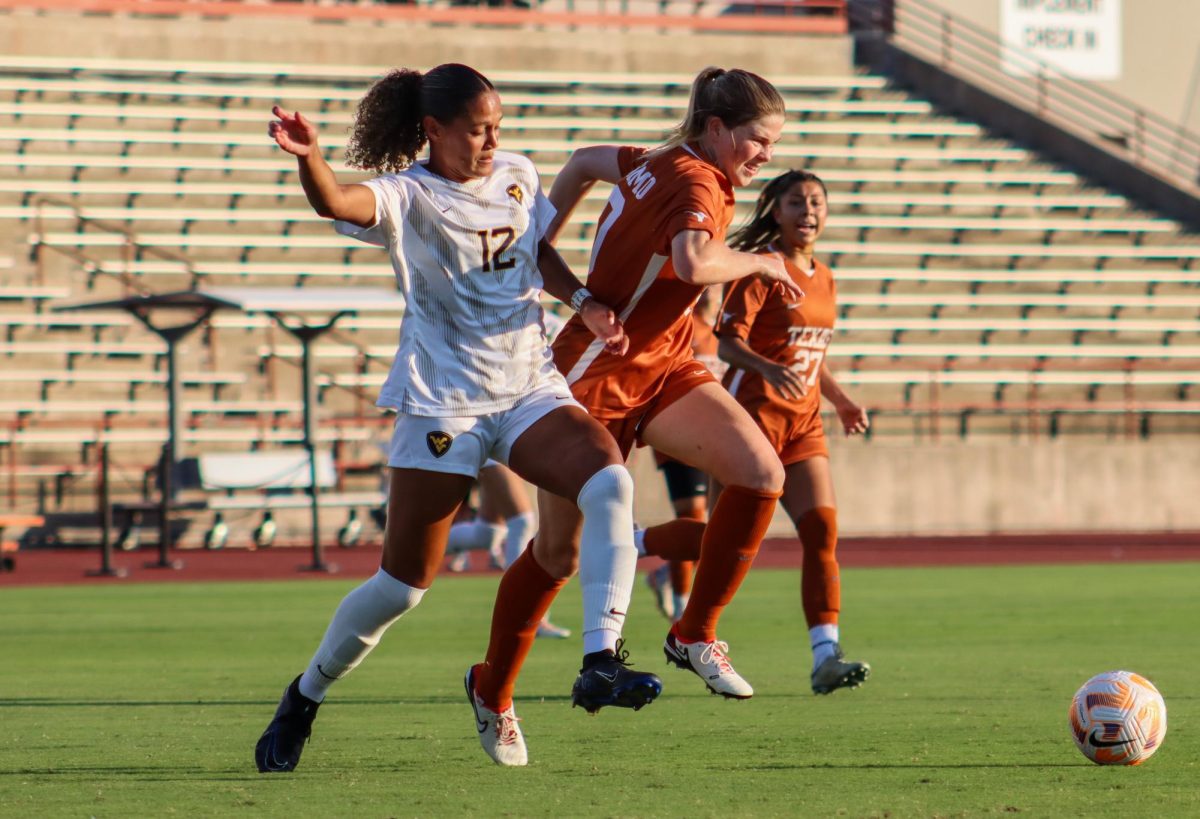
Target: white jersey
{"type": "Point", "coordinates": [472, 340]}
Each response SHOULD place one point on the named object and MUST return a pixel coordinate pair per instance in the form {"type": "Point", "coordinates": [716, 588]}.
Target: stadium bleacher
{"type": "Point", "coordinates": [975, 277]}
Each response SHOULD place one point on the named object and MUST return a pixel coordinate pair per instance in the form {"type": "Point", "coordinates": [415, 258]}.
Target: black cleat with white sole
{"type": "Point", "coordinates": [279, 748]}
{"type": "Point", "coordinates": [607, 679]}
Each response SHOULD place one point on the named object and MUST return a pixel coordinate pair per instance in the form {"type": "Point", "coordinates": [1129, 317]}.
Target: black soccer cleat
{"type": "Point", "coordinates": [836, 672]}
{"type": "Point", "coordinates": [607, 679]}
{"type": "Point", "coordinates": [279, 748]}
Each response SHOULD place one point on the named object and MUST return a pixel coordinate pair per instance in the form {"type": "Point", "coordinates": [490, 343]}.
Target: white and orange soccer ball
{"type": "Point", "coordinates": [1118, 718]}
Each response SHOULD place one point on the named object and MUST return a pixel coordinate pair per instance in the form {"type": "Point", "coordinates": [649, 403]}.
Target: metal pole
{"type": "Point", "coordinates": [166, 464]}
{"type": "Point", "coordinates": [310, 445]}
{"type": "Point", "coordinates": [106, 522]}
{"type": "Point", "coordinates": [306, 334]}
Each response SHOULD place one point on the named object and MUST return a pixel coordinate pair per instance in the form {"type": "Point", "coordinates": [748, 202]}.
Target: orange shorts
{"type": "Point", "coordinates": [803, 448]}
{"type": "Point", "coordinates": [794, 438]}
{"type": "Point", "coordinates": [682, 379]}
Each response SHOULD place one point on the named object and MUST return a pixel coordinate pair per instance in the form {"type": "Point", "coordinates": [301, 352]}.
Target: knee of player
{"type": "Point", "coordinates": [612, 484]}
{"type": "Point", "coordinates": [764, 474]}
{"type": "Point", "coordinates": [817, 530]}
{"type": "Point", "coordinates": [395, 594]}
{"type": "Point", "coordinates": [557, 557]}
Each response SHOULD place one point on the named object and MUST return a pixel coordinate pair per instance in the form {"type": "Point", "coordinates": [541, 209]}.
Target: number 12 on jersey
{"type": "Point", "coordinates": [492, 259]}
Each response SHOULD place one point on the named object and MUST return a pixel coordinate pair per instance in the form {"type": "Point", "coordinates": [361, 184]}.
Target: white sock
{"type": "Point", "coordinates": [473, 535]}
{"type": "Point", "coordinates": [520, 530]}
{"type": "Point", "coordinates": [607, 557]}
{"type": "Point", "coordinates": [824, 641]}
{"type": "Point", "coordinates": [680, 601]}
{"type": "Point", "coordinates": [639, 541]}
{"type": "Point", "coordinates": [601, 639]}
{"type": "Point", "coordinates": [359, 622]}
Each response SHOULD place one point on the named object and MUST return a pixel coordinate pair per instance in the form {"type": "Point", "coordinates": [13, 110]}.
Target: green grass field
{"type": "Point", "coordinates": [146, 700]}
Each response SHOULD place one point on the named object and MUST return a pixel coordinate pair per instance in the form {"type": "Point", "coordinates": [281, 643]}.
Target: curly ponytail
{"type": "Point", "coordinates": [388, 134]}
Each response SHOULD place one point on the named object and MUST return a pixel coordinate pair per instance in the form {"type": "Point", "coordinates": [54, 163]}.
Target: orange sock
{"type": "Point", "coordinates": [820, 583]}
{"type": "Point", "coordinates": [735, 529]}
{"type": "Point", "coordinates": [678, 540]}
{"type": "Point", "coordinates": [524, 597]}
{"type": "Point", "coordinates": [681, 576]}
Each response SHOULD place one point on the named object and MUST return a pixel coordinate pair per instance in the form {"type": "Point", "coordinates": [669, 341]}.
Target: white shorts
{"type": "Point", "coordinates": [462, 445]}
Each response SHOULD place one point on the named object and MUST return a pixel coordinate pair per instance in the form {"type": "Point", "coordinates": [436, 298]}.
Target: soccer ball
{"type": "Point", "coordinates": [1118, 718]}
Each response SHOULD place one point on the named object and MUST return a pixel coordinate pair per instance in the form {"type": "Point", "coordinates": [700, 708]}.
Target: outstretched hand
{"type": "Point", "coordinates": [293, 132]}
{"type": "Point", "coordinates": [604, 324]}
{"type": "Point", "coordinates": [775, 271]}
{"type": "Point", "coordinates": [854, 418]}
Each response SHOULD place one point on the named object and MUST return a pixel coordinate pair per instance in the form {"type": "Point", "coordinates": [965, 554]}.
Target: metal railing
{"type": "Point", "coordinates": [1121, 126]}
{"type": "Point", "coordinates": [131, 249]}
{"type": "Point", "coordinates": [795, 16]}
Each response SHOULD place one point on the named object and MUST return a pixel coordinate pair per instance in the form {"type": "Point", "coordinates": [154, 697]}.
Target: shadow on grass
{"type": "Point", "coordinates": [162, 774]}
{"type": "Point", "coordinates": [432, 699]}
{"type": "Point", "coordinates": [51, 702]}
{"type": "Point", "coordinates": [913, 766]}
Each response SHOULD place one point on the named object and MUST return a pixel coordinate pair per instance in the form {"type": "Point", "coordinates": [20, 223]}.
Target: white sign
{"type": "Point", "coordinates": [1080, 38]}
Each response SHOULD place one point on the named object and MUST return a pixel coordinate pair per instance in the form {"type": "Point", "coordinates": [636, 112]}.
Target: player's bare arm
{"type": "Point", "coordinates": [350, 203]}
{"type": "Point", "coordinates": [699, 259]}
{"type": "Point", "coordinates": [738, 354]}
{"type": "Point", "coordinates": [560, 282]}
{"type": "Point", "coordinates": [852, 415]}
{"type": "Point", "coordinates": [586, 167]}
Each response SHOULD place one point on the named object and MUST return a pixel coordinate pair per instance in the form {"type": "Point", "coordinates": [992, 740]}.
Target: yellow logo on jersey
{"type": "Point", "coordinates": [438, 443]}
{"type": "Point", "coordinates": [516, 193]}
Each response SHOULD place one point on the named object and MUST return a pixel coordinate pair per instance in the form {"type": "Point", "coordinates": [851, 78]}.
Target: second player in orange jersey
{"type": "Point", "coordinates": [687, 486]}
{"type": "Point", "coordinates": [776, 347]}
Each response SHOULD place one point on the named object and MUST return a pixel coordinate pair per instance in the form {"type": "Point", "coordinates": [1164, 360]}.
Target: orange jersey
{"type": "Point", "coordinates": [631, 271]}
{"type": "Point", "coordinates": [759, 313]}
{"type": "Point", "coordinates": [705, 345]}
{"type": "Point", "coordinates": [704, 348]}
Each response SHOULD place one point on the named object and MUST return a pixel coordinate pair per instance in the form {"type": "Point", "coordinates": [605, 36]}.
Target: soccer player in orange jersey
{"type": "Point", "coordinates": [776, 347]}
{"type": "Point", "coordinates": [660, 241]}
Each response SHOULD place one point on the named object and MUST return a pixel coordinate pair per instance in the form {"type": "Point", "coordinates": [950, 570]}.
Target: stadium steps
{"type": "Point", "coordinates": [957, 252]}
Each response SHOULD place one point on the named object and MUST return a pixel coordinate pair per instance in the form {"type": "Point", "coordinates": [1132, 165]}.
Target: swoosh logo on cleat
{"type": "Point", "coordinates": [1099, 743]}
{"type": "Point", "coordinates": [611, 677]}
{"type": "Point", "coordinates": [480, 724]}
{"type": "Point", "coordinates": [273, 762]}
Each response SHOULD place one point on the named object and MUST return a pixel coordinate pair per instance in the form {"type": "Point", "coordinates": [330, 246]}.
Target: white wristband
{"type": "Point", "coordinates": [579, 297]}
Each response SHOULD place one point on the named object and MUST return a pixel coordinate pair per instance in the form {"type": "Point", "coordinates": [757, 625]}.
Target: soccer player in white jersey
{"type": "Point", "coordinates": [472, 379]}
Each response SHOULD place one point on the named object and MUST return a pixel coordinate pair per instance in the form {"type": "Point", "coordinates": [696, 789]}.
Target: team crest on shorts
{"type": "Point", "coordinates": [438, 443]}
{"type": "Point", "coordinates": [516, 193]}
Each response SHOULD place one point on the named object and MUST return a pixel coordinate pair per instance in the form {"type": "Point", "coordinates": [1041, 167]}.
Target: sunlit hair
{"type": "Point", "coordinates": [762, 229]}
{"type": "Point", "coordinates": [388, 135]}
{"type": "Point", "coordinates": [735, 97]}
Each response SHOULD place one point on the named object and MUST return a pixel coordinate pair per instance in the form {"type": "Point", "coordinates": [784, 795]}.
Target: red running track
{"type": "Point", "coordinates": [61, 566]}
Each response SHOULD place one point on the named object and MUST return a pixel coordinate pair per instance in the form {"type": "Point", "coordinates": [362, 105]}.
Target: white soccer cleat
{"type": "Point", "coordinates": [499, 733]}
{"type": "Point", "coordinates": [459, 562]}
{"type": "Point", "coordinates": [547, 630]}
{"type": "Point", "coordinates": [709, 662]}
{"type": "Point", "coordinates": [659, 582]}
